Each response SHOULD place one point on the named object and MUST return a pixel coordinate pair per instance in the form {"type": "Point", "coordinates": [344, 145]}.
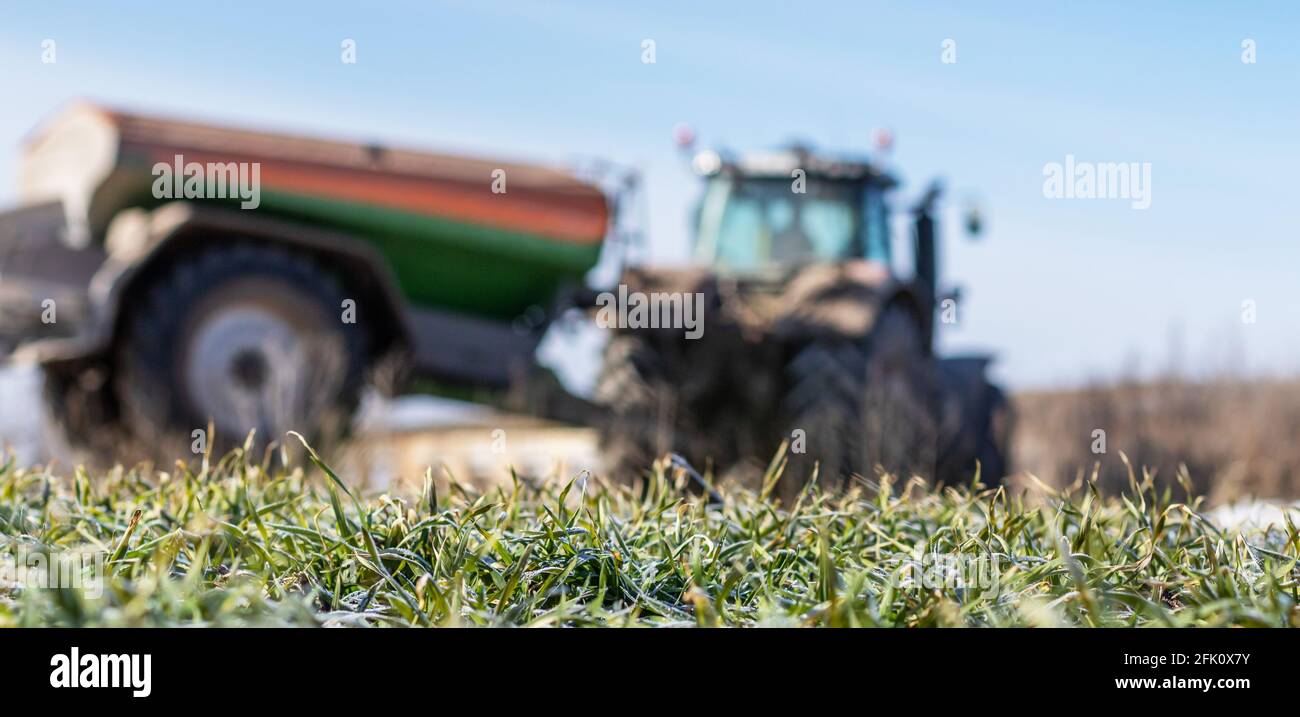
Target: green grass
{"type": "Point", "coordinates": [231, 543]}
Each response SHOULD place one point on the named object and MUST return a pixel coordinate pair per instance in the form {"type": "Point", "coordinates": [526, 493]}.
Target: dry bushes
{"type": "Point", "coordinates": [1237, 438]}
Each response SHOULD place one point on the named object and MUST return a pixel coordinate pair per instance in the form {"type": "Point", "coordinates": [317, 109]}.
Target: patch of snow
{"type": "Point", "coordinates": [407, 413]}
{"type": "Point", "coordinates": [1254, 515]}
{"type": "Point", "coordinates": [21, 424]}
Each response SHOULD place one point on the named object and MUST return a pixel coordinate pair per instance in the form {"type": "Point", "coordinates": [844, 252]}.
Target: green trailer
{"type": "Point", "coordinates": [169, 274]}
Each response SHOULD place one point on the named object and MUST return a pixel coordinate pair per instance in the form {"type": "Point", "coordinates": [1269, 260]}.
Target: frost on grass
{"type": "Point", "coordinates": [232, 543]}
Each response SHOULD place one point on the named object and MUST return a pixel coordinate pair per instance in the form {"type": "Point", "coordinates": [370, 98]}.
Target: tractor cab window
{"type": "Point", "coordinates": [875, 226]}
{"type": "Point", "coordinates": [749, 224]}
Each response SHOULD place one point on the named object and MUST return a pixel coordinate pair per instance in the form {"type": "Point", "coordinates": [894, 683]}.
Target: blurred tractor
{"type": "Point", "coordinates": [809, 336]}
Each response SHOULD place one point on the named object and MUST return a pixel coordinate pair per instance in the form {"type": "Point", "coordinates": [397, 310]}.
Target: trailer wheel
{"type": "Point", "coordinates": [80, 417]}
{"type": "Point", "coordinates": [247, 338]}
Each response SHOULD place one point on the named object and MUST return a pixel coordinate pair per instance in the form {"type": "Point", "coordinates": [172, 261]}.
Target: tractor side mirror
{"type": "Point", "coordinates": [974, 221]}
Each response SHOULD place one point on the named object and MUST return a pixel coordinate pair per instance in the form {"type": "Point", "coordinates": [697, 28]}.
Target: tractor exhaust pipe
{"type": "Point", "coordinates": [926, 258]}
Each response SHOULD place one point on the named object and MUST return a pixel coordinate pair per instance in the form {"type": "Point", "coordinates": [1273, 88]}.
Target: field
{"type": "Point", "coordinates": [1236, 438]}
{"type": "Point", "coordinates": [232, 542]}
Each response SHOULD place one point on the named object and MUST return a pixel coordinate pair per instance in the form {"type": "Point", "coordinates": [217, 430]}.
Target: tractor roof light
{"type": "Point", "coordinates": [882, 139]}
{"type": "Point", "coordinates": [684, 136]}
{"type": "Point", "coordinates": [707, 163]}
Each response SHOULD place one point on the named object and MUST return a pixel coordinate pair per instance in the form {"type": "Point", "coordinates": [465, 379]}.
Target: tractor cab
{"type": "Point", "coordinates": [767, 213]}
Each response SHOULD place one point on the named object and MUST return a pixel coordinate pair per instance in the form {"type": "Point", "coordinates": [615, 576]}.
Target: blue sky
{"type": "Point", "coordinates": [1063, 291]}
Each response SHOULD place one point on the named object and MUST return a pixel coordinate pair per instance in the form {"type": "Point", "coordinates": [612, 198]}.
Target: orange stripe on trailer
{"type": "Point", "coordinates": [574, 217]}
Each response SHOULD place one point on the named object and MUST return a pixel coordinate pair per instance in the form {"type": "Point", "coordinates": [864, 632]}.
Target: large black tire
{"type": "Point", "coordinates": [975, 429]}
{"type": "Point", "coordinates": [641, 406]}
{"type": "Point", "coordinates": [989, 429]}
{"type": "Point", "coordinates": [245, 337]}
{"type": "Point", "coordinates": [995, 438]}
{"type": "Point", "coordinates": [900, 434]}
{"type": "Point", "coordinates": [859, 406]}
{"type": "Point", "coordinates": [823, 403]}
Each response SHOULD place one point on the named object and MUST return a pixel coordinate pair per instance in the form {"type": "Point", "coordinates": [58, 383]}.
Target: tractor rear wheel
{"type": "Point", "coordinates": [634, 388]}
{"type": "Point", "coordinates": [995, 456]}
{"type": "Point", "coordinates": [862, 405]}
{"type": "Point", "coordinates": [975, 428]}
{"type": "Point", "coordinates": [824, 408]}
{"type": "Point", "coordinates": [899, 413]}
